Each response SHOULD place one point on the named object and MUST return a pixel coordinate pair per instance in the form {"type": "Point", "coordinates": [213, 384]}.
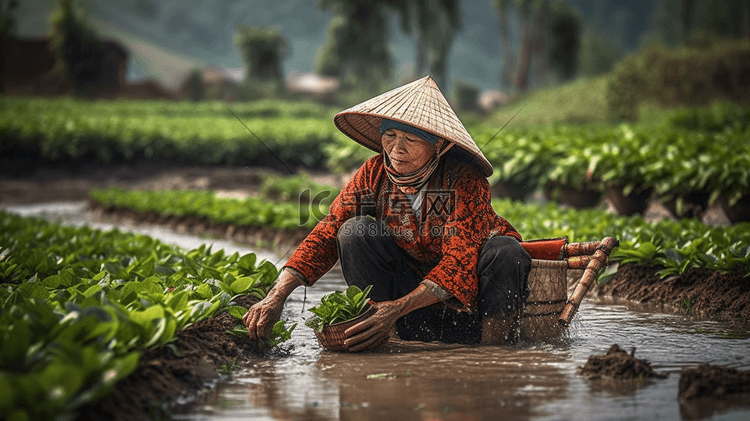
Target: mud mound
{"type": "Point", "coordinates": [169, 373]}
{"type": "Point", "coordinates": [709, 381]}
{"type": "Point", "coordinates": [619, 365]}
{"type": "Point", "coordinates": [701, 292]}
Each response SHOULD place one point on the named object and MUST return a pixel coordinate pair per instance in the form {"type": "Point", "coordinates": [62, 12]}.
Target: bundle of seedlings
{"type": "Point", "coordinates": [337, 312]}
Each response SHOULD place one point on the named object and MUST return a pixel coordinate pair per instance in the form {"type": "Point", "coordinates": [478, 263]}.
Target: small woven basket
{"type": "Point", "coordinates": [332, 337]}
{"type": "Point", "coordinates": [549, 293]}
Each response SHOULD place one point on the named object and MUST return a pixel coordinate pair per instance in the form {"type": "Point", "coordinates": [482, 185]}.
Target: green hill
{"type": "Point", "coordinates": [580, 101]}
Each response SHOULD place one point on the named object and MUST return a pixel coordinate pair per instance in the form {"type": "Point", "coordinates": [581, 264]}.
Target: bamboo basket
{"type": "Point", "coordinates": [332, 337]}
{"type": "Point", "coordinates": [548, 310]}
{"type": "Point", "coordinates": [547, 297]}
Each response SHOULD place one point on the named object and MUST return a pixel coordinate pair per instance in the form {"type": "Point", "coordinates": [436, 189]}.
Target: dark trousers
{"type": "Point", "coordinates": [369, 256]}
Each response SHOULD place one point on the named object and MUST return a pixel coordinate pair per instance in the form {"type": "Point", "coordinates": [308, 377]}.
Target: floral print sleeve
{"type": "Point", "coordinates": [470, 223]}
{"type": "Point", "coordinates": [317, 253]}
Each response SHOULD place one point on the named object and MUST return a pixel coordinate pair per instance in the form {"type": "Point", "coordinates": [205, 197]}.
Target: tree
{"type": "Point", "coordinates": [598, 54]}
{"type": "Point", "coordinates": [7, 30]}
{"type": "Point", "coordinates": [195, 85]}
{"type": "Point", "coordinates": [357, 47]}
{"type": "Point", "coordinates": [680, 22]}
{"type": "Point", "coordinates": [541, 33]}
{"type": "Point", "coordinates": [564, 39]}
{"type": "Point", "coordinates": [509, 59]}
{"type": "Point", "coordinates": [534, 33]}
{"type": "Point", "coordinates": [437, 22]}
{"type": "Point", "coordinates": [262, 49]}
{"type": "Point", "coordinates": [521, 75]}
{"type": "Point", "coordinates": [77, 47]}
{"type": "Point", "coordinates": [7, 17]}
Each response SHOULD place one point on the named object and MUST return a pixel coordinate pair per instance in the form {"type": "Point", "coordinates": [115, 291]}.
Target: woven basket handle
{"type": "Point", "coordinates": [598, 262]}
{"type": "Point", "coordinates": [580, 249]}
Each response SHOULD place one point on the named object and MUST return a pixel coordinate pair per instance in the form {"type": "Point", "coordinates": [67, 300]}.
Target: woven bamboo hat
{"type": "Point", "coordinates": [420, 104]}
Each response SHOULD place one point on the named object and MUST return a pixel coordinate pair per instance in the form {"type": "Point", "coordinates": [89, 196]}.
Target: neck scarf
{"type": "Point", "coordinates": [412, 182]}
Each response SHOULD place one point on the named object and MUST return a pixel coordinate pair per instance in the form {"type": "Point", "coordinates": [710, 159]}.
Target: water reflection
{"type": "Point", "coordinates": [469, 383]}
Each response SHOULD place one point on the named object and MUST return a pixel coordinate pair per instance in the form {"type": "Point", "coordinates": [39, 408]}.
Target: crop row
{"type": "Point", "coordinates": [130, 108]}
{"type": "Point", "coordinates": [80, 305]}
{"type": "Point", "coordinates": [692, 151]}
{"type": "Point", "coordinates": [672, 246]}
{"type": "Point", "coordinates": [692, 154]}
{"type": "Point", "coordinates": [72, 132]}
{"type": "Point", "coordinates": [251, 211]}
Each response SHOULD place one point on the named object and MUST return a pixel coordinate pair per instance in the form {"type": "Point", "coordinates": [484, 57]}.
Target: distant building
{"type": "Point", "coordinates": [215, 83]}
{"type": "Point", "coordinates": [146, 89]}
{"type": "Point", "coordinates": [28, 68]}
{"type": "Point", "coordinates": [488, 101]}
{"type": "Point", "coordinates": [312, 85]}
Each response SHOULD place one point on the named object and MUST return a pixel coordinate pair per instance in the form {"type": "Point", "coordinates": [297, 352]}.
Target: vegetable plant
{"type": "Point", "coordinates": [279, 334]}
{"type": "Point", "coordinates": [79, 306]}
{"type": "Point", "coordinates": [254, 211]}
{"type": "Point", "coordinates": [339, 306]}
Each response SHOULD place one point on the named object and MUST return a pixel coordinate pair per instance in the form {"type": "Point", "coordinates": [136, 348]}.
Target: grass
{"type": "Point", "coordinates": [227, 369]}
{"type": "Point", "coordinates": [686, 304]}
{"type": "Point", "coordinates": [580, 101]}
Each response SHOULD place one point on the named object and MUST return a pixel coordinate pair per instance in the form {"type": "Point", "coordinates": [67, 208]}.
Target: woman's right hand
{"type": "Point", "coordinates": [261, 317]}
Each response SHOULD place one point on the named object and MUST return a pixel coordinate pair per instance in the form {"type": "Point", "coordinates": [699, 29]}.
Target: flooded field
{"type": "Point", "coordinates": [528, 381]}
{"type": "Point", "coordinates": [480, 383]}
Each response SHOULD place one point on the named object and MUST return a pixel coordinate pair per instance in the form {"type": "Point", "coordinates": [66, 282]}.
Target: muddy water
{"type": "Point", "coordinates": [479, 383]}
{"type": "Point", "coordinates": [529, 381]}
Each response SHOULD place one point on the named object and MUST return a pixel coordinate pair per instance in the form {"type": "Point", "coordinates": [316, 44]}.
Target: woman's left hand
{"type": "Point", "coordinates": [375, 329]}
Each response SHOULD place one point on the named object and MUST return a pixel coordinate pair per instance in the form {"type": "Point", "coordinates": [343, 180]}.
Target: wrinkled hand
{"type": "Point", "coordinates": [375, 329]}
{"type": "Point", "coordinates": [261, 317]}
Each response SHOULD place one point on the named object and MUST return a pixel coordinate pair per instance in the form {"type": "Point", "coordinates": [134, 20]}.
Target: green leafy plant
{"type": "Point", "coordinates": [339, 306]}
{"type": "Point", "coordinates": [676, 246]}
{"type": "Point", "coordinates": [280, 333]}
{"type": "Point", "coordinates": [251, 211]}
{"type": "Point", "coordinates": [229, 368]}
{"type": "Point", "coordinates": [78, 311]}
{"type": "Point", "coordinates": [126, 131]}
{"type": "Point", "coordinates": [297, 188]}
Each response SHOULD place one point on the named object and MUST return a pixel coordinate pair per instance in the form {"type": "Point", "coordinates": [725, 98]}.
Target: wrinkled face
{"type": "Point", "coordinates": [407, 152]}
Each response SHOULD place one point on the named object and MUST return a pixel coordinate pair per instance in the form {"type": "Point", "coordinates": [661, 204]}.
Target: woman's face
{"type": "Point", "coordinates": [407, 152]}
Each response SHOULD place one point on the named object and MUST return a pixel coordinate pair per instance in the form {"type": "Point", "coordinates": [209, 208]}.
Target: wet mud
{"type": "Point", "coordinates": [711, 381]}
{"type": "Point", "coordinates": [711, 389]}
{"type": "Point", "coordinates": [48, 183]}
{"type": "Point", "coordinates": [702, 293]}
{"type": "Point", "coordinates": [617, 364]}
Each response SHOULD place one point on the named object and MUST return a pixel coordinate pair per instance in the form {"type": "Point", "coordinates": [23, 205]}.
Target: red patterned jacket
{"type": "Point", "coordinates": [442, 245]}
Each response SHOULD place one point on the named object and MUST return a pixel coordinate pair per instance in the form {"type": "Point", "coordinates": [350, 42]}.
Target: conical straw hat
{"type": "Point", "coordinates": [420, 104]}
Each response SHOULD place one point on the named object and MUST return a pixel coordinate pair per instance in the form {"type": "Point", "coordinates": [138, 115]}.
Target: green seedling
{"type": "Point", "coordinates": [80, 306]}
{"type": "Point", "coordinates": [339, 306]}
{"type": "Point", "coordinates": [279, 334]}
{"type": "Point", "coordinates": [686, 303]}
{"type": "Point", "coordinates": [227, 369]}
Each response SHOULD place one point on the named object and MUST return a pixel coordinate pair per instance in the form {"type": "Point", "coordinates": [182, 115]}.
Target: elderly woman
{"type": "Point", "coordinates": [415, 222]}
